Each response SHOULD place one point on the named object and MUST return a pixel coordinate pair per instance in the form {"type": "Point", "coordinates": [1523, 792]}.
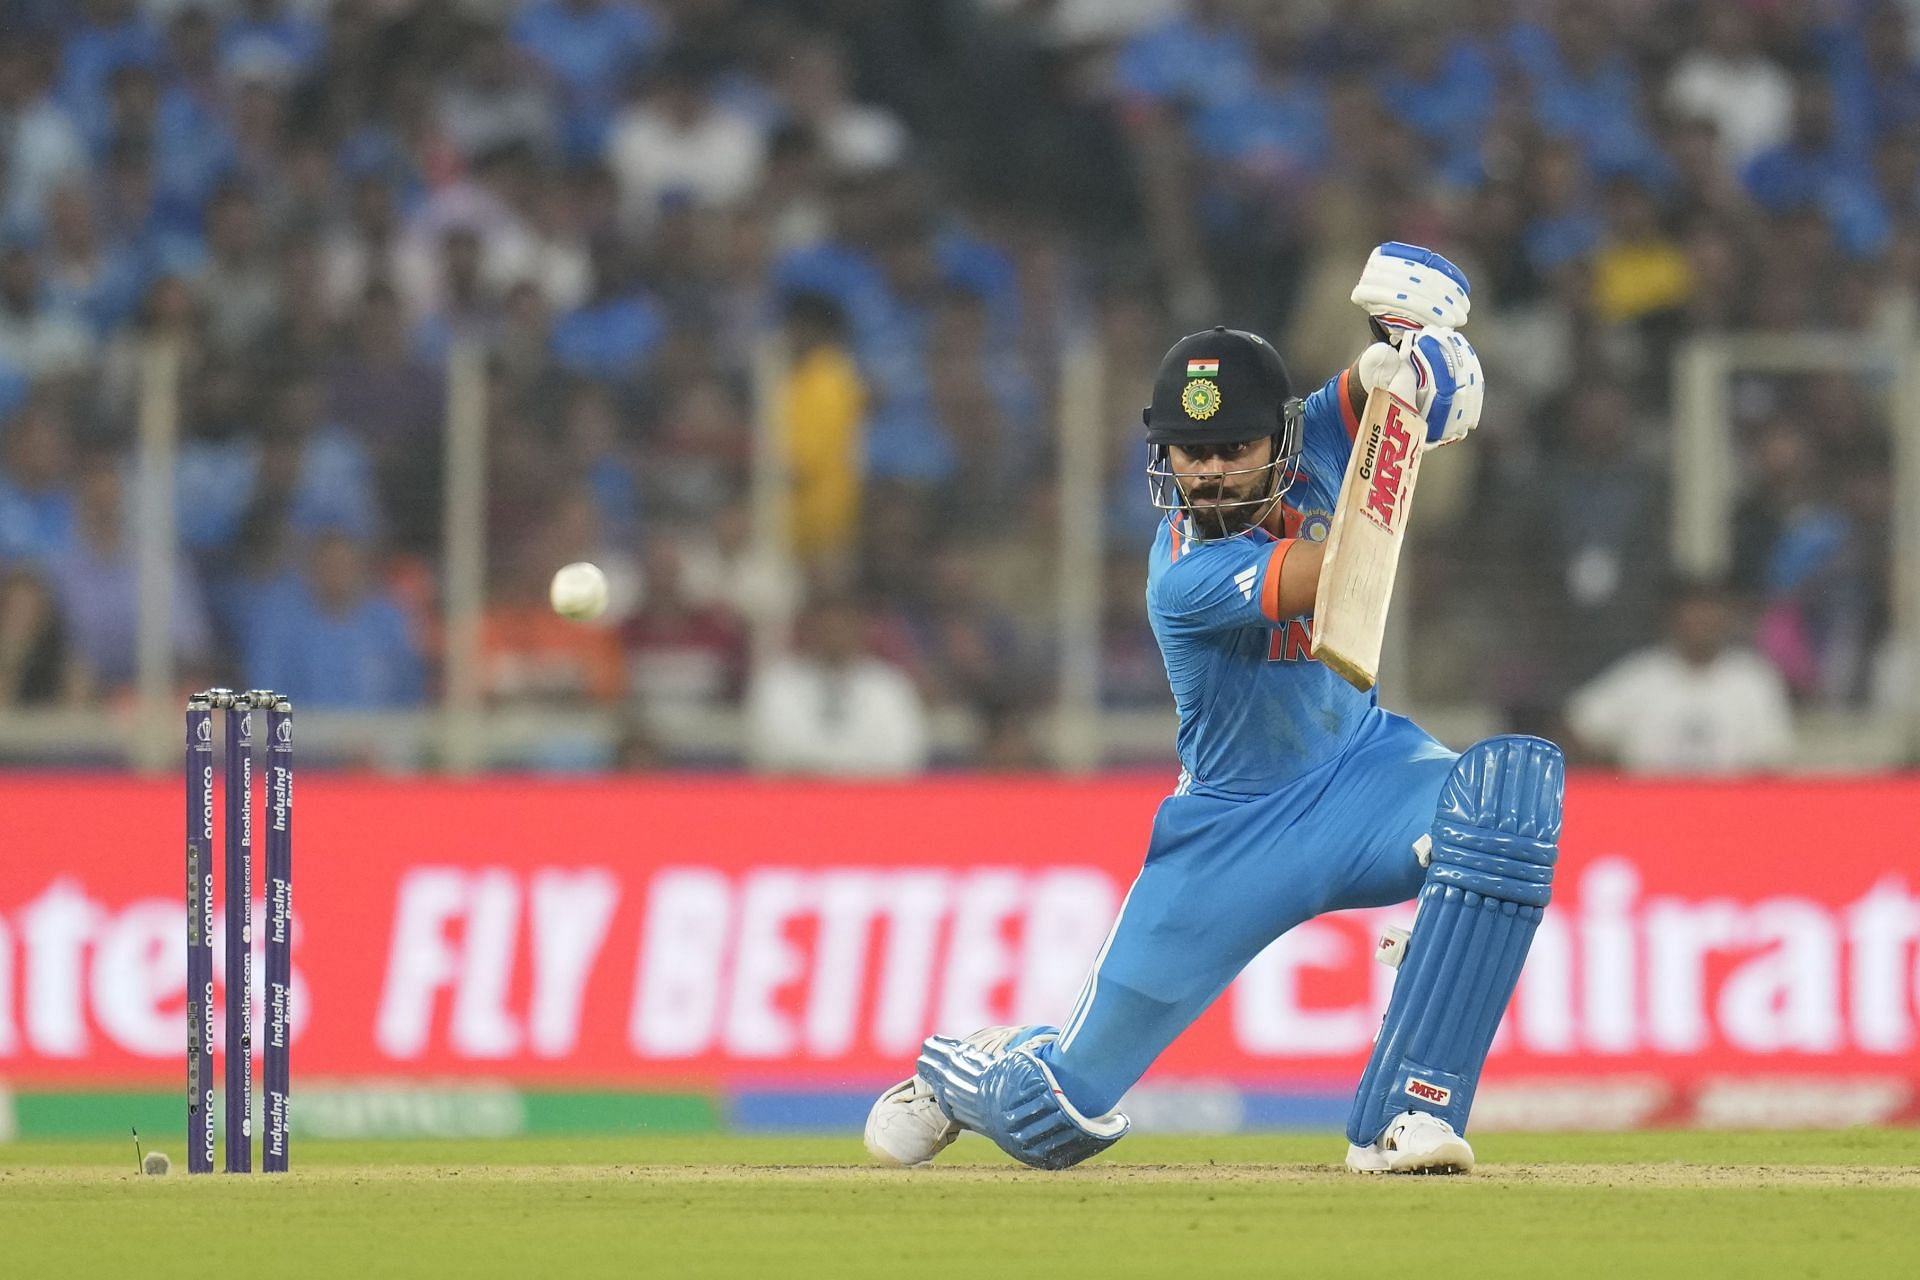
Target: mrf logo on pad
{"type": "Point", "coordinates": [1428, 1092]}
{"type": "Point", "coordinates": [1390, 447]}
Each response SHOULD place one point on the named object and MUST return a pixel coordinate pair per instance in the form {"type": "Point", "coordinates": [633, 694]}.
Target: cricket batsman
{"type": "Point", "coordinates": [1297, 794]}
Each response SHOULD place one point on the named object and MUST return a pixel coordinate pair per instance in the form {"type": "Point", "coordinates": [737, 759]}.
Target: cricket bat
{"type": "Point", "coordinates": [1363, 542]}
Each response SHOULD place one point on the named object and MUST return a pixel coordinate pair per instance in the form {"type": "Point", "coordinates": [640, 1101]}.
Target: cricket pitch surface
{"type": "Point", "coordinates": [1840, 1203]}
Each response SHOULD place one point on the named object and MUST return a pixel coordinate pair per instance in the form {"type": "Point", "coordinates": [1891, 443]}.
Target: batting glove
{"type": "Point", "coordinates": [1438, 372]}
{"type": "Point", "coordinates": [1405, 288]}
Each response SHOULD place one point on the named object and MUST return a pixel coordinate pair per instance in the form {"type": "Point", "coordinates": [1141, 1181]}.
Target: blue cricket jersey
{"type": "Point", "coordinates": [1256, 711]}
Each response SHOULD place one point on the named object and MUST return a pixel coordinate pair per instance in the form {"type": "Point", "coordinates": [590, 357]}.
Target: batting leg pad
{"type": "Point", "coordinates": [1495, 840]}
{"type": "Point", "coordinates": [1014, 1099]}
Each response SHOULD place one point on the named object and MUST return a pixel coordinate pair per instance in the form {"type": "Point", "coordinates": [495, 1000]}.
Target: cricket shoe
{"type": "Point", "coordinates": [1413, 1142]}
{"type": "Point", "coordinates": [908, 1127]}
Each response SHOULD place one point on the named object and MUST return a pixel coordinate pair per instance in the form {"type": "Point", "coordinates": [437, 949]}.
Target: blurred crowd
{"type": "Point", "coordinates": [926, 202]}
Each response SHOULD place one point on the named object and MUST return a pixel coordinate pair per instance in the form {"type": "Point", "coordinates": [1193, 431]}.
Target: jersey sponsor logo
{"type": "Point", "coordinates": [1292, 642]}
{"type": "Point", "coordinates": [1426, 1091]}
{"type": "Point", "coordinates": [1247, 579]}
{"type": "Point", "coordinates": [1389, 458]}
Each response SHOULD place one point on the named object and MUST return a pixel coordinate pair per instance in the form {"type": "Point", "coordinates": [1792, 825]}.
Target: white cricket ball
{"type": "Point", "coordinates": [156, 1163]}
{"type": "Point", "coordinates": [579, 591]}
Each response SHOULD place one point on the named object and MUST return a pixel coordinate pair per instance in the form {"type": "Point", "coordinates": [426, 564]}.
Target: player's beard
{"type": "Point", "coordinates": [1237, 510]}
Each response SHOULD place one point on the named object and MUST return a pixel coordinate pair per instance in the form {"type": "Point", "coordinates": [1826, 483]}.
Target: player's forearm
{"type": "Point", "coordinates": [1300, 577]}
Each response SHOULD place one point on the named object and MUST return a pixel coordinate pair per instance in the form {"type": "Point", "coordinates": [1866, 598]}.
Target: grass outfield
{"type": "Point", "coordinates": [1841, 1204]}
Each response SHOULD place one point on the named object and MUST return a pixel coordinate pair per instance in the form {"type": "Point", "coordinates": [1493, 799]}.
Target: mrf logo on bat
{"type": "Point", "coordinates": [1387, 449]}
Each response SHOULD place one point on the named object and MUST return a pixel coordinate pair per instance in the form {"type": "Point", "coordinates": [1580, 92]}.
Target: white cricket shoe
{"type": "Point", "coordinates": [1413, 1142]}
{"type": "Point", "coordinates": [907, 1126]}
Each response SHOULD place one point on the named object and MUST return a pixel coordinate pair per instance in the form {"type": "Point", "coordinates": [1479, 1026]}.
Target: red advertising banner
{"type": "Point", "coordinates": [730, 932]}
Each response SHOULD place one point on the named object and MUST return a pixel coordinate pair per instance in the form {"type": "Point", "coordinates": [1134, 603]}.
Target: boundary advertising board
{"type": "Point", "coordinates": [725, 934]}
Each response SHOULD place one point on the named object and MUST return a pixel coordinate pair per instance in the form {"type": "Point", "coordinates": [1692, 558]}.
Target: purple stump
{"type": "Point", "coordinates": [239, 917]}
{"type": "Point", "coordinates": [199, 770]}
{"type": "Point", "coordinates": [277, 1067]}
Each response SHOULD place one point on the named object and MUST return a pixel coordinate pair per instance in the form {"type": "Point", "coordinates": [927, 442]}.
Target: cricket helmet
{"type": "Point", "coordinates": [1223, 386]}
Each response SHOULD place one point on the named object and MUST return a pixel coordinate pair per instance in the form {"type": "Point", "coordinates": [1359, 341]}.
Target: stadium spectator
{"type": "Point", "coordinates": [1444, 88]}
{"type": "Point", "coordinates": [1639, 272]}
{"type": "Point", "coordinates": [823, 408]}
{"type": "Point", "coordinates": [308, 477]}
{"type": "Point", "coordinates": [1732, 83]}
{"type": "Point", "coordinates": [678, 142]}
{"type": "Point", "coordinates": [42, 148]}
{"type": "Point", "coordinates": [36, 497]}
{"type": "Point", "coordinates": [738, 301]}
{"type": "Point", "coordinates": [167, 311]}
{"type": "Point", "coordinates": [265, 151]}
{"type": "Point", "coordinates": [1782, 480]}
{"type": "Point", "coordinates": [363, 247]}
{"type": "Point", "coordinates": [522, 347]}
{"type": "Point", "coordinates": [793, 196]}
{"type": "Point", "coordinates": [37, 337]}
{"type": "Point", "coordinates": [531, 655]}
{"type": "Point", "coordinates": [597, 453]}
{"type": "Point", "coordinates": [589, 48]}
{"type": "Point", "coordinates": [303, 336]}
{"type": "Point", "coordinates": [332, 639]}
{"type": "Point", "coordinates": [1565, 225]}
{"type": "Point", "coordinates": [905, 439]}
{"type": "Point", "coordinates": [986, 409]}
{"type": "Point", "coordinates": [896, 527]}
{"type": "Point", "coordinates": [685, 656]}
{"type": "Point", "coordinates": [1698, 704]}
{"type": "Point", "coordinates": [110, 34]}
{"type": "Point", "coordinates": [854, 137]}
{"type": "Point", "coordinates": [966, 647]}
{"type": "Point", "coordinates": [379, 389]}
{"type": "Point", "coordinates": [97, 282]}
{"type": "Point", "coordinates": [1814, 624]}
{"type": "Point", "coordinates": [730, 572]}
{"type": "Point", "coordinates": [270, 33]}
{"type": "Point", "coordinates": [494, 99]}
{"type": "Point", "coordinates": [218, 454]}
{"type": "Point", "coordinates": [238, 286]}
{"type": "Point", "coordinates": [489, 202]}
{"type": "Point", "coordinates": [830, 708]}
{"type": "Point", "coordinates": [34, 670]}
{"type": "Point", "coordinates": [190, 125]}
{"type": "Point", "coordinates": [703, 444]}
{"type": "Point", "coordinates": [96, 584]}
{"type": "Point", "coordinates": [462, 307]}
{"type": "Point", "coordinates": [614, 331]}
{"type": "Point", "coordinates": [1813, 170]}
{"type": "Point", "coordinates": [327, 475]}
{"type": "Point", "coordinates": [1585, 88]}
{"type": "Point", "coordinates": [555, 256]}
{"type": "Point", "coordinates": [1203, 55]}
{"type": "Point", "coordinates": [1869, 59]}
